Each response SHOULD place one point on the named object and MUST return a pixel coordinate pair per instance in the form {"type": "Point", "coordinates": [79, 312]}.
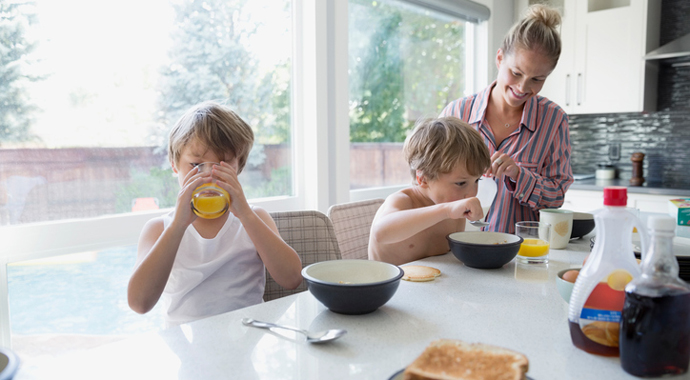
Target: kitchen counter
{"type": "Point", "coordinates": [652, 189]}
{"type": "Point", "coordinates": [517, 307]}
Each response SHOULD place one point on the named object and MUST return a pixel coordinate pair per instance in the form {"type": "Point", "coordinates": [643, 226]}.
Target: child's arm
{"type": "Point", "coordinates": [281, 261]}
{"type": "Point", "coordinates": [157, 249]}
{"type": "Point", "coordinates": [400, 220]}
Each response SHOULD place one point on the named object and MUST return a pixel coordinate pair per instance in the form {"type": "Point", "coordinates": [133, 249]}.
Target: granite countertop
{"type": "Point", "coordinates": [646, 188]}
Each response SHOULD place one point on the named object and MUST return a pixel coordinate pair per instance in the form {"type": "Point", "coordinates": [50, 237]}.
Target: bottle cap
{"type": "Point", "coordinates": [661, 222]}
{"type": "Point", "coordinates": [615, 196]}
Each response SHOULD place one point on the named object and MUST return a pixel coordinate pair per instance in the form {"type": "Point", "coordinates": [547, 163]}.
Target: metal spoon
{"type": "Point", "coordinates": [479, 223]}
{"type": "Point", "coordinates": [317, 337]}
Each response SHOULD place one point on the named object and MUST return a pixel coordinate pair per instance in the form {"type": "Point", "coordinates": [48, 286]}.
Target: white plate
{"type": "Point", "coordinates": [399, 375]}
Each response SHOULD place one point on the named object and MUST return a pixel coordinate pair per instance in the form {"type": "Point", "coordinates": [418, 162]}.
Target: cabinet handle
{"type": "Point", "coordinates": [579, 89]}
{"type": "Point", "coordinates": [567, 90]}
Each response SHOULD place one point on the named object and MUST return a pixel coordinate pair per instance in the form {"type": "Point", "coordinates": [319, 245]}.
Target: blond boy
{"type": "Point", "coordinates": [202, 267]}
{"type": "Point", "coordinates": [447, 158]}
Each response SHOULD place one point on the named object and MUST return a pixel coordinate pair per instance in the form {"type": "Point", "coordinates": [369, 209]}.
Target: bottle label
{"type": "Point", "coordinates": [600, 317]}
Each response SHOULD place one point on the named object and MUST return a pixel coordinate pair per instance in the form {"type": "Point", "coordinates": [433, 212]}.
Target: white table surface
{"type": "Point", "coordinates": [517, 307]}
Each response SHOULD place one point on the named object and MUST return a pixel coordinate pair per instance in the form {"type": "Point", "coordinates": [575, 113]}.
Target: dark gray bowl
{"type": "Point", "coordinates": [352, 286]}
{"type": "Point", "coordinates": [583, 223]}
{"type": "Point", "coordinates": [484, 249]}
{"type": "Point", "coordinates": [9, 363]}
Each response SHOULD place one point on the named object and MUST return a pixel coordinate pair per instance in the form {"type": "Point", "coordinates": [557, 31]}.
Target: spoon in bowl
{"type": "Point", "coordinates": [486, 192]}
{"type": "Point", "coordinates": [316, 337]}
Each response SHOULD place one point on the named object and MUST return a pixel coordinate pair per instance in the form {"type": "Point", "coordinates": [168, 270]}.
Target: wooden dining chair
{"type": "Point", "coordinates": [352, 225]}
{"type": "Point", "coordinates": [311, 234]}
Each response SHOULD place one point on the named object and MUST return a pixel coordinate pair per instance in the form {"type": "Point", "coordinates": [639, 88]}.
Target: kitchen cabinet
{"type": "Point", "coordinates": [601, 68]}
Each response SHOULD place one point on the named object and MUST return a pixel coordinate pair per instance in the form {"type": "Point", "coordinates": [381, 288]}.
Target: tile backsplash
{"type": "Point", "coordinates": [663, 136]}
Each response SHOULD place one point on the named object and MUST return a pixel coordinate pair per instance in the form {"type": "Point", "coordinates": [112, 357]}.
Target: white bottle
{"type": "Point", "coordinates": [596, 303]}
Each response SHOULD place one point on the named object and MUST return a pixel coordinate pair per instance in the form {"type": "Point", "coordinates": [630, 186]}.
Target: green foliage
{"type": "Point", "coordinates": [404, 65]}
{"type": "Point", "coordinates": [280, 184]}
{"type": "Point", "coordinates": [209, 60]}
{"type": "Point", "coordinates": [157, 182]}
{"type": "Point", "coordinates": [16, 110]}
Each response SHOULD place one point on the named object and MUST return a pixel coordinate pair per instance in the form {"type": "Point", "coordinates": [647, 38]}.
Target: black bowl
{"type": "Point", "coordinates": [9, 363]}
{"type": "Point", "coordinates": [352, 286]}
{"type": "Point", "coordinates": [583, 223]}
{"type": "Point", "coordinates": [484, 249]}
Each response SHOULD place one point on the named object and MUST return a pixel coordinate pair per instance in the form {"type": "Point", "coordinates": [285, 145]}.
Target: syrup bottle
{"type": "Point", "coordinates": [655, 326]}
{"type": "Point", "coordinates": [599, 292]}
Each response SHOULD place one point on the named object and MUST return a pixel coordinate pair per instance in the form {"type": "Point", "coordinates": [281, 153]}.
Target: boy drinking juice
{"type": "Point", "coordinates": [206, 266]}
{"type": "Point", "coordinates": [447, 158]}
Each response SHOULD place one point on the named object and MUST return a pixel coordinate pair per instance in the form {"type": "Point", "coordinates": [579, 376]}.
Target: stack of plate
{"type": "Point", "coordinates": [681, 248]}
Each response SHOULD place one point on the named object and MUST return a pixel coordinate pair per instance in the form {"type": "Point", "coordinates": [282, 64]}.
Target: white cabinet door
{"type": "Point", "coordinates": [601, 68]}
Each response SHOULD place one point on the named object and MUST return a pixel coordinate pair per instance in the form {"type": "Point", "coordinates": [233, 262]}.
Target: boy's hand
{"type": "Point", "coordinates": [226, 176]}
{"type": "Point", "coordinates": [469, 208]}
{"type": "Point", "coordinates": [183, 207]}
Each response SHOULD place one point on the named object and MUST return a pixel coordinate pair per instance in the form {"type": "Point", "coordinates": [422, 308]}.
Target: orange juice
{"type": "Point", "coordinates": [534, 248]}
{"type": "Point", "coordinates": [210, 201]}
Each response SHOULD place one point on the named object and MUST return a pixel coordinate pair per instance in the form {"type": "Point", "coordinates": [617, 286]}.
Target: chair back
{"type": "Point", "coordinates": [352, 225]}
{"type": "Point", "coordinates": [311, 234]}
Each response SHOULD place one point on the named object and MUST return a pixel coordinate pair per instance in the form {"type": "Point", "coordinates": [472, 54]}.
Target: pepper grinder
{"type": "Point", "coordinates": [637, 161]}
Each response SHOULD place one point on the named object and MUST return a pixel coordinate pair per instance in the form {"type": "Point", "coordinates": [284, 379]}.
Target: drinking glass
{"type": "Point", "coordinates": [209, 201]}
{"type": "Point", "coordinates": [535, 246]}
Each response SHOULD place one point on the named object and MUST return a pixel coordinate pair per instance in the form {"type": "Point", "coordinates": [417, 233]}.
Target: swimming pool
{"type": "Point", "coordinates": [77, 294]}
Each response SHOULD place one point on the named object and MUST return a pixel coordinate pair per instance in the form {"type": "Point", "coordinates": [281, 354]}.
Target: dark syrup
{"type": "Point", "coordinates": [582, 342]}
{"type": "Point", "coordinates": [655, 335]}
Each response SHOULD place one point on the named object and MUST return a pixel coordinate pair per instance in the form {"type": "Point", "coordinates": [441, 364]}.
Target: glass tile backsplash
{"type": "Point", "coordinates": [663, 136]}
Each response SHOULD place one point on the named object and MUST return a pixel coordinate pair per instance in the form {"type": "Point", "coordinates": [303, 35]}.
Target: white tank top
{"type": "Point", "coordinates": [213, 276]}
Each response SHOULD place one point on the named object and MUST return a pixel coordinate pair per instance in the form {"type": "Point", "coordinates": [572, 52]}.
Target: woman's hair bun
{"type": "Point", "coordinates": [544, 14]}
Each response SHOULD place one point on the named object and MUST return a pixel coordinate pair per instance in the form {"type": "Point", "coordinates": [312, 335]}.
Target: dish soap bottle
{"type": "Point", "coordinates": [655, 325]}
{"type": "Point", "coordinates": [597, 300]}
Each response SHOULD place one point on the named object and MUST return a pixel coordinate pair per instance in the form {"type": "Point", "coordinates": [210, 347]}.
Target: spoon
{"type": "Point", "coordinates": [486, 192]}
{"type": "Point", "coordinates": [479, 223]}
{"type": "Point", "coordinates": [317, 337]}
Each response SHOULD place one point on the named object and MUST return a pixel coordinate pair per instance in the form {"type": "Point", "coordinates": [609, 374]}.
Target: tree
{"type": "Point", "coordinates": [16, 110]}
{"type": "Point", "coordinates": [209, 60]}
{"type": "Point", "coordinates": [404, 64]}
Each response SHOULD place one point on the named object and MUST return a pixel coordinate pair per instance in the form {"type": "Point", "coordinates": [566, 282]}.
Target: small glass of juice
{"type": "Point", "coordinates": [209, 201]}
{"type": "Point", "coordinates": [535, 246]}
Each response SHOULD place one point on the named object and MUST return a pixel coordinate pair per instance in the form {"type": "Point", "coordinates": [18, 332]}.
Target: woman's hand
{"type": "Point", "coordinates": [503, 164]}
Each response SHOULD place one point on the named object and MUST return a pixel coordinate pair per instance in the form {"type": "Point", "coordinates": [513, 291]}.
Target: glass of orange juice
{"type": "Point", "coordinates": [535, 246]}
{"type": "Point", "coordinates": [209, 200]}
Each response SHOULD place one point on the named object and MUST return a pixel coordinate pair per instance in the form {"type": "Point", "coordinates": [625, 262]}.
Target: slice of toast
{"type": "Point", "coordinates": [447, 359]}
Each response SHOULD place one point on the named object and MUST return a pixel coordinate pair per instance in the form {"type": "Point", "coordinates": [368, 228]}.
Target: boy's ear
{"type": "Point", "coordinates": [421, 180]}
{"type": "Point", "coordinates": [174, 167]}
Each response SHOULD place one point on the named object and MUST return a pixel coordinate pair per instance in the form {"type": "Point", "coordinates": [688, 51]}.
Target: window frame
{"type": "Point", "coordinates": [320, 147]}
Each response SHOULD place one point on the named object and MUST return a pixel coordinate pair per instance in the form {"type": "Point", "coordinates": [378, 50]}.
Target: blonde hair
{"type": "Point", "coordinates": [536, 31]}
{"type": "Point", "coordinates": [217, 127]}
{"type": "Point", "coordinates": [437, 146]}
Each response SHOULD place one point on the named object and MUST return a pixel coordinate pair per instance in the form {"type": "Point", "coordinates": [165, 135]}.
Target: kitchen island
{"type": "Point", "coordinates": [517, 307]}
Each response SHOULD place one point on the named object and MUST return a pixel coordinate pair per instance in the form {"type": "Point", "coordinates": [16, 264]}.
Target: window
{"type": "Point", "coordinates": [91, 99]}
{"type": "Point", "coordinates": [406, 62]}
{"type": "Point", "coordinates": [87, 98]}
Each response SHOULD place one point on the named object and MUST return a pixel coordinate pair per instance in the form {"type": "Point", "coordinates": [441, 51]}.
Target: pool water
{"type": "Point", "coordinates": [77, 294]}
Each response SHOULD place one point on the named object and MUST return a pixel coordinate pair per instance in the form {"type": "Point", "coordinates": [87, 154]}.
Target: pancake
{"type": "Point", "coordinates": [419, 273]}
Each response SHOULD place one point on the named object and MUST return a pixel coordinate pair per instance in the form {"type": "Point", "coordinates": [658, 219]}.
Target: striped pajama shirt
{"type": "Point", "coordinates": [540, 146]}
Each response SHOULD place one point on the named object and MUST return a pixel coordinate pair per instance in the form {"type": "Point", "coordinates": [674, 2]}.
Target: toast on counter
{"type": "Point", "coordinates": [447, 359]}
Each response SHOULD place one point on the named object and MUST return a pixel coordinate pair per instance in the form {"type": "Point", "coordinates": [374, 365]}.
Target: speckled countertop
{"type": "Point", "coordinates": [517, 306]}
{"type": "Point", "coordinates": [646, 188]}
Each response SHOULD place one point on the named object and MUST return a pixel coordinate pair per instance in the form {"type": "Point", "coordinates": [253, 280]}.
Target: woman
{"type": "Point", "coordinates": [527, 134]}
